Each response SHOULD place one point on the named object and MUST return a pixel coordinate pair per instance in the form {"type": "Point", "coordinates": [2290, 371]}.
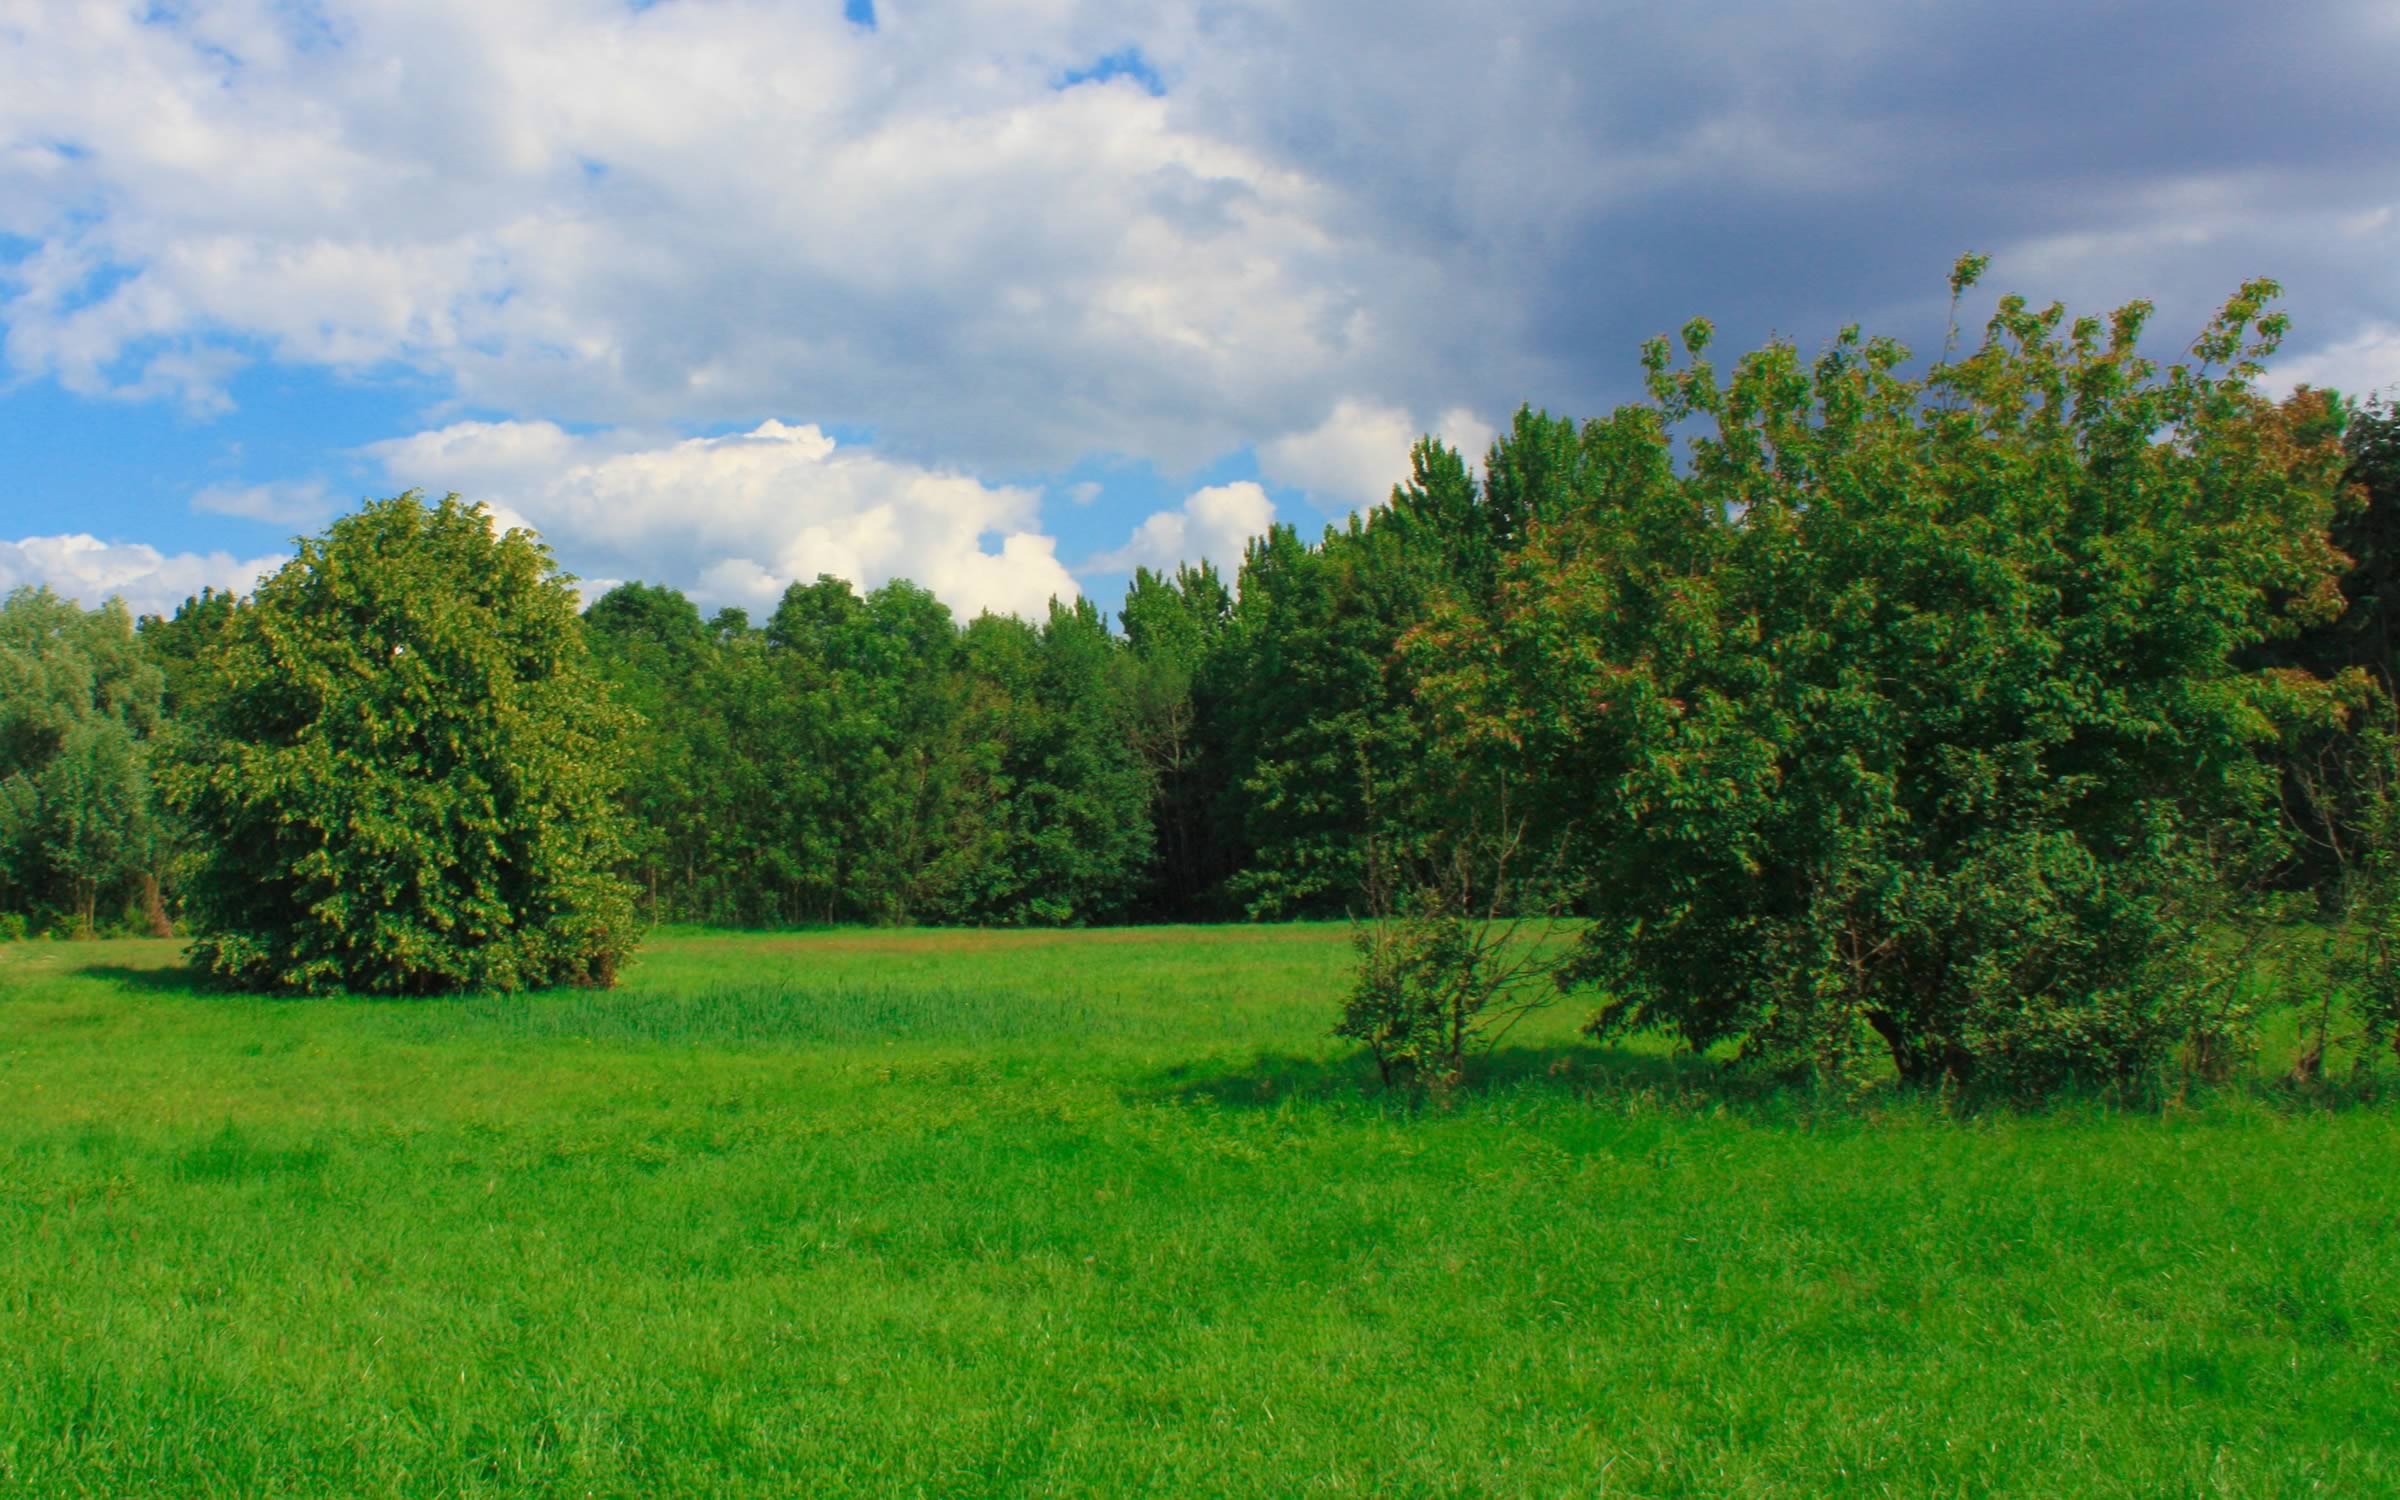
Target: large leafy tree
{"type": "Point", "coordinates": [917, 805]}
{"type": "Point", "coordinates": [178, 645]}
{"type": "Point", "coordinates": [78, 705]}
{"type": "Point", "coordinates": [1076, 840]}
{"type": "Point", "coordinates": [650, 644]}
{"type": "Point", "coordinates": [405, 778]}
{"type": "Point", "coordinates": [1173, 626]}
{"type": "Point", "coordinates": [2366, 634]}
{"type": "Point", "coordinates": [1909, 714]}
{"type": "Point", "coordinates": [1312, 728]}
{"type": "Point", "coordinates": [1314, 706]}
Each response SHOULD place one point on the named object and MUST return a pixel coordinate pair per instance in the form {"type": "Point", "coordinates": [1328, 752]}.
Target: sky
{"type": "Point", "coordinates": [1009, 297]}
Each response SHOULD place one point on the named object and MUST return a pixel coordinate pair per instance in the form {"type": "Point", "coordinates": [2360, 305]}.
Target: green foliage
{"type": "Point", "coordinates": [1425, 980]}
{"type": "Point", "coordinates": [1315, 704]}
{"type": "Point", "coordinates": [178, 646]}
{"type": "Point", "coordinates": [1310, 725]}
{"type": "Point", "coordinates": [1909, 714]}
{"type": "Point", "coordinates": [2325, 752]}
{"type": "Point", "coordinates": [653, 620]}
{"type": "Point", "coordinates": [1464, 932]}
{"type": "Point", "coordinates": [1939, 715]}
{"type": "Point", "coordinates": [1075, 839]}
{"type": "Point", "coordinates": [405, 779]}
{"type": "Point", "coordinates": [1173, 629]}
{"type": "Point", "coordinates": [93, 818]}
{"type": "Point", "coordinates": [2347, 776]}
{"type": "Point", "coordinates": [2363, 968]}
{"type": "Point", "coordinates": [78, 703]}
{"type": "Point", "coordinates": [839, 748]}
{"type": "Point", "coordinates": [914, 797]}
{"type": "Point", "coordinates": [864, 759]}
{"type": "Point", "coordinates": [2367, 531]}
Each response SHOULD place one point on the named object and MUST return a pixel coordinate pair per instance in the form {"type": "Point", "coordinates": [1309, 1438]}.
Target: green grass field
{"type": "Point", "coordinates": [898, 1213]}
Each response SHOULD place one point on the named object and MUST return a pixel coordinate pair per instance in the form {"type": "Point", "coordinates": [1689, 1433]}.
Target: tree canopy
{"type": "Point", "coordinates": [1910, 713]}
{"type": "Point", "coordinates": [79, 703]}
{"type": "Point", "coordinates": [405, 780]}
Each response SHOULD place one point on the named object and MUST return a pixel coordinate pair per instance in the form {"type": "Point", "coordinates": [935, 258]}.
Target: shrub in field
{"type": "Point", "coordinates": [1906, 716]}
{"type": "Point", "coordinates": [1436, 981]}
{"type": "Point", "coordinates": [1416, 994]}
{"type": "Point", "coordinates": [402, 779]}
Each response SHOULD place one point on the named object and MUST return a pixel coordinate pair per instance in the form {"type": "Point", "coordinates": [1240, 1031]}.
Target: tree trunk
{"type": "Point", "coordinates": [1920, 1060]}
{"type": "Point", "coordinates": [154, 908]}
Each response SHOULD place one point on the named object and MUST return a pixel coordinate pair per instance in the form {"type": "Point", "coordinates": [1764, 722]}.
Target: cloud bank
{"type": "Point", "coordinates": [738, 518]}
{"type": "Point", "coordinates": [90, 571]}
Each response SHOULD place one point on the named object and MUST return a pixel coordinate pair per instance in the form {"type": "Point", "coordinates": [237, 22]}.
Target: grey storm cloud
{"type": "Point", "coordinates": [1598, 173]}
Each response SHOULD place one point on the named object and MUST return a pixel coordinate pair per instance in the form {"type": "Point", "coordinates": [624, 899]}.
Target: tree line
{"type": "Point", "coordinates": [1979, 719]}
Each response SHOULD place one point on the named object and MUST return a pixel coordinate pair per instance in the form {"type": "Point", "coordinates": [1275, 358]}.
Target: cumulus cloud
{"type": "Point", "coordinates": [679, 214]}
{"type": "Point", "coordinates": [1354, 457]}
{"type": "Point", "coordinates": [738, 518]}
{"type": "Point", "coordinates": [302, 503]}
{"type": "Point", "coordinates": [86, 569]}
{"type": "Point", "coordinates": [1213, 525]}
{"type": "Point", "coordinates": [2364, 365]}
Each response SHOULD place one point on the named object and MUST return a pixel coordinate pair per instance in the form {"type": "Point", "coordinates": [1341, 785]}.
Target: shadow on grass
{"type": "Point", "coordinates": [1639, 1079]}
{"type": "Point", "coordinates": [1566, 1070]}
{"type": "Point", "coordinates": [180, 979]}
{"type": "Point", "coordinates": [193, 983]}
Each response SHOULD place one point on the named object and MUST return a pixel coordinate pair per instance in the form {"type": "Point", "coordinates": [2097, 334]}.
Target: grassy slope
{"type": "Point", "coordinates": [964, 1214]}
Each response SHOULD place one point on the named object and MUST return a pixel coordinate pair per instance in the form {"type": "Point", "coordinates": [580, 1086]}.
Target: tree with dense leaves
{"type": "Point", "coordinates": [648, 642]}
{"type": "Point", "coordinates": [79, 704]}
{"type": "Point", "coordinates": [2366, 529]}
{"type": "Point", "coordinates": [1318, 715]}
{"type": "Point", "coordinates": [405, 780]}
{"type": "Point", "coordinates": [1908, 716]}
{"type": "Point", "coordinates": [178, 645]}
{"type": "Point", "coordinates": [1078, 840]}
{"type": "Point", "coordinates": [1173, 624]}
{"type": "Point", "coordinates": [1312, 728]}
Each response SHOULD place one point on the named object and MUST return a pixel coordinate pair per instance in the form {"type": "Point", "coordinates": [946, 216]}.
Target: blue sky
{"type": "Point", "coordinates": [1009, 297]}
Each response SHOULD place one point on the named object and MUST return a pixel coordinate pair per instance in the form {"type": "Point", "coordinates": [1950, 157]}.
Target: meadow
{"type": "Point", "coordinates": [951, 1213]}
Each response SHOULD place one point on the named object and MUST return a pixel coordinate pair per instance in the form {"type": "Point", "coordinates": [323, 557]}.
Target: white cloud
{"type": "Point", "coordinates": [303, 503]}
{"type": "Point", "coordinates": [1354, 457]}
{"type": "Point", "coordinates": [739, 517]}
{"type": "Point", "coordinates": [684, 214]}
{"type": "Point", "coordinates": [2361, 365]}
{"type": "Point", "coordinates": [89, 570]}
{"type": "Point", "coordinates": [1214, 524]}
